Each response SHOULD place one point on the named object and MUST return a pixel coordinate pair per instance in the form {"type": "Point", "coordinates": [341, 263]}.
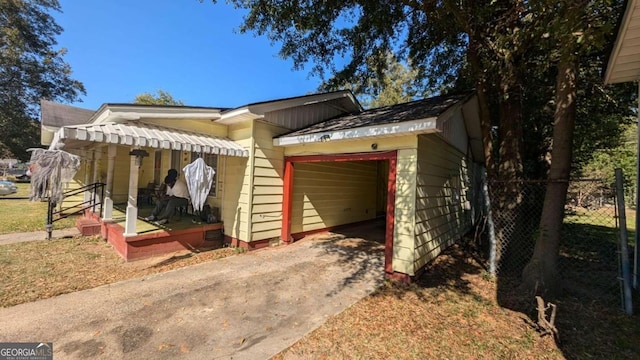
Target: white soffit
{"type": "Point", "coordinates": [147, 135]}
{"type": "Point", "coordinates": [387, 130]}
{"type": "Point", "coordinates": [624, 61]}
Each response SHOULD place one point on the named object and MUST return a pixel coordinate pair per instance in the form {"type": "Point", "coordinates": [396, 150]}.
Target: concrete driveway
{"type": "Point", "coordinates": [249, 306]}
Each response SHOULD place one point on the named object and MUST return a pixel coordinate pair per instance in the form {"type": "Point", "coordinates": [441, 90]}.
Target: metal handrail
{"type": "Point", "coordinates": [90, 204]}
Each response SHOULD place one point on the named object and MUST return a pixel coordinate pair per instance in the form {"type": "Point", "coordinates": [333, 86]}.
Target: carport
{"type": "Point", "coordinates": [389, 156]}
{"type": "Point", "coordinates": [431, 148]}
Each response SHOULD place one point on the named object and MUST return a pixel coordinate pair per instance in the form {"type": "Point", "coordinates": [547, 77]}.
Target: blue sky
{"type": "Point", "coordinates": [191, 49]}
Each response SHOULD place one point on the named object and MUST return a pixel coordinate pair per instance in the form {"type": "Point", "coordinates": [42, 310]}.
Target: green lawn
{"type": "Point", "coordinates": [22, 215]}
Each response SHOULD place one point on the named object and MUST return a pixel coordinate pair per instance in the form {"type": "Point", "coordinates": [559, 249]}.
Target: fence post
{"type": "Point", "coordinates": [490, 225]}
{"type": "Point", "coordinates": [624, 251]}
{"type": "Point", "coordinates": [49, 225]}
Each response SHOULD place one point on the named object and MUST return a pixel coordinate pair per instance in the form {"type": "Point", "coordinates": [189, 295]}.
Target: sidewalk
{"type": "Point", "coordinates": [37, 236]}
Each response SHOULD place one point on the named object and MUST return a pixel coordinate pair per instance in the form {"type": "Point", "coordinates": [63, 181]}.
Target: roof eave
{"type": "Point", "coordinates": [396, 129]}
{"type": "Point", "coordinates": [119, 113]}
{"type": "Point", "coordinates": [610, 76]}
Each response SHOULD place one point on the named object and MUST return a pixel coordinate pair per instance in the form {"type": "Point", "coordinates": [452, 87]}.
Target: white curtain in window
{"type": "Point", "coordinates": [199, 178]}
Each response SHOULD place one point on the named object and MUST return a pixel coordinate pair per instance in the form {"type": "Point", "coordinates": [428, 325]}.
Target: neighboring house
{"type": "Point", "coordinates": [289, 167]}
{"type": "Point", "coordinates": [624, 66]}
{"type": "Point", "coordinates": [53, 116]}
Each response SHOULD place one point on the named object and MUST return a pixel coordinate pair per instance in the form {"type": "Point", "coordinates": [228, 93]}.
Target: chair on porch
{"type": "Point", "coordinates": [146, 195]}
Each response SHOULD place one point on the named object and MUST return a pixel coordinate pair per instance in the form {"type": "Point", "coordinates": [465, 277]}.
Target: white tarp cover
{"type": "Point", "coordinates": [199, 178]}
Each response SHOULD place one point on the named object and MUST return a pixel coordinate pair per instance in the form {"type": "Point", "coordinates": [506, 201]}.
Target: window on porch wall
{"type": "Point", "coordinates": [211, 160]}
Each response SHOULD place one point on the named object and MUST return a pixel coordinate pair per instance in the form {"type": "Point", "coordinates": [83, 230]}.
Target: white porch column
{"type": "Point", "coordinates": [97, 155]}
{"type": "Point", "coordinates": [107, 207]}
{"type": "Point", "coordinates": [88, 171]}
{"type": "Point", "coordinates": [132, 202]}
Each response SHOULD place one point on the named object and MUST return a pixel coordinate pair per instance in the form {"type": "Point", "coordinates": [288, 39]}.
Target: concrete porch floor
{"type": "Point", "coordinates": [184, 232]}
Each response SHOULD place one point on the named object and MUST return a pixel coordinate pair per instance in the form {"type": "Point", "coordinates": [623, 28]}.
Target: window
{"type": "Point", "coordinates": [211, 160]}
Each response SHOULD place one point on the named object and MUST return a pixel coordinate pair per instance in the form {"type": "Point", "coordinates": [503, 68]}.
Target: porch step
{"type": "Point", "coordinates": [88, 226]}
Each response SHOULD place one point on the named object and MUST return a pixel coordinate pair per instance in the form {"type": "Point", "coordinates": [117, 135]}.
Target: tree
{"type": "Point", "coordinates": [31, 68]}
{"type": "Point", "coordinates": [494, 46]}
{"type": "Point", "coordinates": [577, 28]}
{"type": "Point", "coordinates": [440, 38]}
{"type": "Point", "coordinates": [160, 98]}
{"type": "Point", "coordinates": [603, 163]}
{"type": "Point", "coordinates": [396, 85]}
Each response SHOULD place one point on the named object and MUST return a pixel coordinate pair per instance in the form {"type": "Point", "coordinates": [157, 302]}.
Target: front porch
{"type": "Point", "coordinates": [182, 233]}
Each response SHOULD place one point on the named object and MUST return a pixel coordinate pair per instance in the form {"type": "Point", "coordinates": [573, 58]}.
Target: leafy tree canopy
{"type": "Point", "coordinates": [396, 85]}
{"type": "Point", "coordinates": [160, 98]}
{"type": "Point", "coordinates": [31, 68]}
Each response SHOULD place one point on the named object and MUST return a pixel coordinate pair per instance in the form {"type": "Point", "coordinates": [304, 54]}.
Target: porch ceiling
{"type": "Point", "coordinates": [140, 134]}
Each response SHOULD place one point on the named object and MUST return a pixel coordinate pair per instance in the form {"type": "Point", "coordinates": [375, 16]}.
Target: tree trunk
{"type": "Point", "coordinates": [510, 162]}
{"type": "Point", "coordinates": [483, 103]}
{"type": "Point", "coordinates": [540, 275]}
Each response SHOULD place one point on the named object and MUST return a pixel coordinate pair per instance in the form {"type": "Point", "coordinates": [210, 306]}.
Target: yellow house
{"type": "Point", "coordinates": [289, 167]}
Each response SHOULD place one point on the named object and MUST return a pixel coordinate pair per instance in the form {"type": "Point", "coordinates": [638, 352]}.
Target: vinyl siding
{"type": "Point", "coordinates": [442, 212]}
{"type": "Point", "coordinates": [267, 190]}
{"type": "Point", "coordinates": [302, 116]}
{"type": "Point", "coordinates": [121, 177]}
{"type": "Point", "coordinates": [403, 231]}
{"type": "Point", "coordinates": [454, 130]}
{"type": "Point", "coordinates": [121, 174]}
{"type": "Point", "coordinates": [236, 185]}
{"type": "Point", "coordinates": [332, 193]}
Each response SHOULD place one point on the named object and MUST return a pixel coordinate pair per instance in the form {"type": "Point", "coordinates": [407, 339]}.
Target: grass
{"type": "Point", "coordinates": [42, 269]}
{"type": "Point", "coordinates": [453, 311]}
{"type": "Point", "coordinates": [22, 215]}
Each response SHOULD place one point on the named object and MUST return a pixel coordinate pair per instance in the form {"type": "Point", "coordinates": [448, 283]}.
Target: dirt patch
{"type": "Point", "coordinates": [135, 337]}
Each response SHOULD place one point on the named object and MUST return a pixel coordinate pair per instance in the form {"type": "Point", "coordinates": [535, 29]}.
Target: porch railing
{"type": "Point", "coordinates": [92, 203]}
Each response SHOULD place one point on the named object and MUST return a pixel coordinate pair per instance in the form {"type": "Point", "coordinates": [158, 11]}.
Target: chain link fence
{"type": "Point", "coordinates": [589, 253]}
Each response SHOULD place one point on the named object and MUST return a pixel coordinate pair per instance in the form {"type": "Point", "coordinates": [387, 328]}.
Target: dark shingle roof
{"type": "Point", "coordinates": [55, 114]}
{"type": "Point", "coordinates": [414, 110]}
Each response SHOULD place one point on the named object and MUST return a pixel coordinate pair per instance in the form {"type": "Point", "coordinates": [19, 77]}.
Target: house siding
{"type": "Point", "coordinates": [122, 160]}
{"type": "Point", "coordinates": [454, 130]}
{"type": "Point", "coordinates": [302, 116]}
{"type": "Point", "coordinates": [328, 194]}
{"type": "Point", "coordinates": [442, 214]}
{"type": "Point", "coordinates": [267, 189]}
{"type": "Point", "coordinates": [236, 185]}
{"type": "Point", "coordinates": [403, 232]}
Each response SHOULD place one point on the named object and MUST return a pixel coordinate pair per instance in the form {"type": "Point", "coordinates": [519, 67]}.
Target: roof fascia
{"type": "Point", "coordinates": [404, 128]}
{"type": "Point", "coordinates": [119, 113]}
{"type": "Point", "coordinates": [262, 108]}
{"type": "Point", "coordinates": [617, 47]}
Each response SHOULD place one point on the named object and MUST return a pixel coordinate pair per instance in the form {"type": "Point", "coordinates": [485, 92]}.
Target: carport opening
{"type": "Point", "coordinates": [348, 195]}
{"type": "Point", "coordinates": [339, 196]}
